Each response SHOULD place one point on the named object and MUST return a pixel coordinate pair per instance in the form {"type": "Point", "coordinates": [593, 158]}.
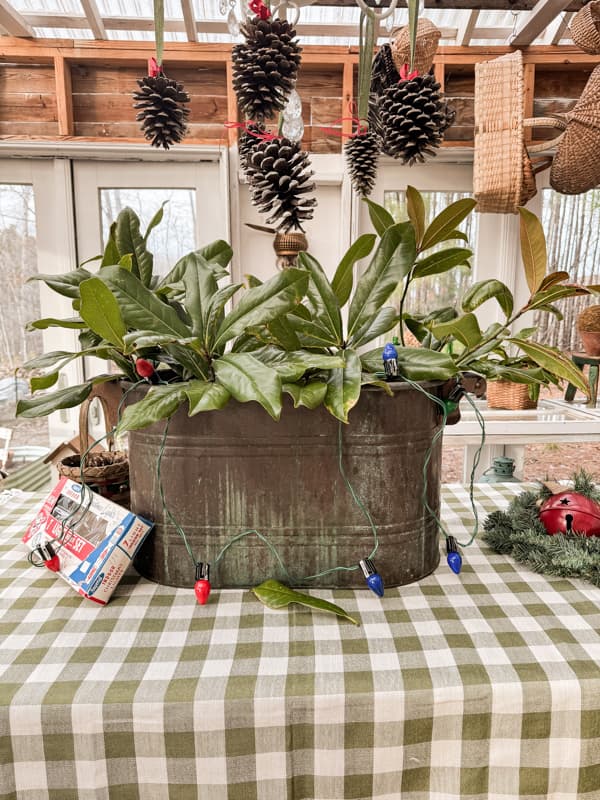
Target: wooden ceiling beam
{"type": "Point", "coordinates": [189, 19]}
{"type": "Point", "coordinates": [537, 21]}
{"type": "Point", "coordinates": [467, 27]}
{"type": "Point", "coordinates": [445, 5]}
{"type": "Point", "coordinates": [563, 28]}
{"type": "Point", "coordinates": [12, 22]}
{"type": "Point", "coordinates": [92, 15]}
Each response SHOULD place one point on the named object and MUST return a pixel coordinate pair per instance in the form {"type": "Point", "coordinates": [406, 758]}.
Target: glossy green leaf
{"type": "Point", "coordinates": [264, 303]}
{"type": "Point", "coordinates": [48, 359]}
{"type": "Point", "coordinates": [194, 364]}
{"type": "Point", "coordinates": [40, 382]}
{"type": "Point", "coordinates": [253, 281]}
{"type": "Point", "coordinates": [533, 249]}
{"type": "Point", "coordinates": [386, 319]}
{"type": "Point", "coordinates": [369, 379]}
{"type": "Point", "coordinates": [140, 308]}
{"type": "Point", "coordinates": [101, 312]}
{"type": "Point", "coordinates": [216, 313]}
{"type": "Point", "coordinates": [311, 334]}
{"type": "Point", "coordinates": [530, 375]}
{"type": "Point", "coordinates": [111, 253]}
{"type": "Point", "coordinates": [275, 595]}
{"type": "Point", "coordinates": [218, 252]}
{"type": "Point", "coordinates": [74, 323]}
{"type": "Point", "coordinates": [453, 235]}
{"type": "Point", "coordinates": [343, 387]}
{"type": "Point", "coordinates": [465, 329]}
{"type": "Point", "coordinates": [416, 212]}
{"type": "Point", "coordinates": [553, 278]}
{"type": "Point", "coordinates": [416, 363]}
{"type": "Point", "coordinates": [391, 263]}
{"type": "Point", "coordinates": [292, 366]}
{"type": "Point", "coordinates": [284, 334]}
{"type": "Point", "coordinates": [191, 261]}
{"type": "Point", "coordinates": [42, 405]}
{"type": "Point", "coordinates": [326, 306]}
{"type": "Point", "coordinates": [126, 262]}
{"type": "Point", "coordinates": [67, 284]}
{"type": "Point", "coordinates": [200, 286]}
{"type": "Point", "coordinates": [247, 379]}
{"type": "Point", "coordinates": [130, 240]}
{"type": "Point", "coordinates": [310, 395]}
{"type": "Point", "coordinates": [447, 221]}
{"type": "Point", "coordinates": [554, 362]}
{"type": "Point", "coordinates": [344, 274]}
{"type": "Point", "coordinates": [525, 333]}
{"type": "Point", "coordinates": [206, 396]}
{"type": "Point", "coordinates": [381, 219]}
{"type": "Point", "coordinates": [442, 261]}
{"type": "Point", "coordinates": [156, 220]}
{"type": "Point", "coordinates": [139, 339]}
{"type": "Point", "coordinates": [553, 294]}
{"type": "Point", "coordinates": [485, 290]}
{"type": "Point", "coordinates": [159, 403]}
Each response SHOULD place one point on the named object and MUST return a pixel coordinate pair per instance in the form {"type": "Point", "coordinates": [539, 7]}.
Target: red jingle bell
{"type": "Point", "coordinates": [202, 585]}
{"type": "Point", "coordinates": [569, 511]}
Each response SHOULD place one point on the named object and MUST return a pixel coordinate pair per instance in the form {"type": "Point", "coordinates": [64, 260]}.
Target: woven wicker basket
{"type": "Point", "coordinates": [585, 28]}
{"type": "Point", "coordinates": [503, 172]}
{"type": "Point", "coordinates": [509, 395]}
{"type": "Point", "coordinates": [576, 166]}
{"type": "Point", "coordinates": [426, 46]}
{"type": "Point", "coordinates": [105, 471]}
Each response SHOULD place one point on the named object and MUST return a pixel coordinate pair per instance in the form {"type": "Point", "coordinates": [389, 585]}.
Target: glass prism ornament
{"type": "Point", "coordinates": [233, 24]}
{"type": "Point", "coordinates": [293, 129]}
{"type": "Point", "coordinates": [293, 108]}
{"type": "Point", "coordinates": [223, 7]}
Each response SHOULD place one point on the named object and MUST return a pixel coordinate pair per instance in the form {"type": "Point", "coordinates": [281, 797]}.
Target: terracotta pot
{"type": "Point", "coordinates": [591, 342]}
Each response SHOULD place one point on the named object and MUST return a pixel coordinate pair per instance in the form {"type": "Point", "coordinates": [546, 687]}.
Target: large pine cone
{"type": "Point", "coordinates": [414, 116]}
{"type": "Point", "coordinates": [162, 111]}
{"type": "Point", "coordinates": [362, 153]}
{"type": "Point", "coordinates": [246, 144]}
{"type": "Point", "coordinates": [265, 66]}
{"type": "Point", "coordinates": [280, 179]}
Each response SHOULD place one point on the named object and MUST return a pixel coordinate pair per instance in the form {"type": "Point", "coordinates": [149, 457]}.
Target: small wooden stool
{"type": "Point", "coordinates": [580, 360]}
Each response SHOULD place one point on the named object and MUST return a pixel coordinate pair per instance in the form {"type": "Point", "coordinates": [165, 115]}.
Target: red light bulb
{"type": "Point", "coordinates": [202, 585]}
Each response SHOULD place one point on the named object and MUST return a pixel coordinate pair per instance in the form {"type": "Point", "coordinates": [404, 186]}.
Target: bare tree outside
{"type": "Point", "coordinates": [572, 228]}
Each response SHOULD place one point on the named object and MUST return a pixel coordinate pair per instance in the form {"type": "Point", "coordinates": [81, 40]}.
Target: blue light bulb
{"type": "Point", "coordinates": [372, 577]}
{"type": "Point", "coordinates": [453, 557]}
{"type": "Point", "coordinates": [389, 352]}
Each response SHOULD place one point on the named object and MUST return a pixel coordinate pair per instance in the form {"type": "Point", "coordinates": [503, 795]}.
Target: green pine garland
{"type": "Point", "coordinates": [518, 532]}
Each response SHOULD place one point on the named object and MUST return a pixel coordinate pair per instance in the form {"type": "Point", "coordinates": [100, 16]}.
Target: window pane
{"type": "Point", "coordinates": [572, 228]}
{"type": "Point", "coordinates": [447, 289]}
{"type": "Point", "coordinates": [21, 304]}
{"type": "Point", "coordinates": [174, 237]}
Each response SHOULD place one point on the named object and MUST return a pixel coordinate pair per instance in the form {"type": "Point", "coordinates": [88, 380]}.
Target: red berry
{"type": "Point", "coordinates": [144, 368]}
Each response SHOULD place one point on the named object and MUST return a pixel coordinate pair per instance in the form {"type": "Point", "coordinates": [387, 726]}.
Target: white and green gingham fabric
{"type": "Point", "coordinates": [484, 686]}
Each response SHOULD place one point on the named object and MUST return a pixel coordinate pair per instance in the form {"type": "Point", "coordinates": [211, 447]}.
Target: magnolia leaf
{"type": "Point", "coordinates": [533, 249]}
{"type": "Point", "coordinates": [43, 381]}
{"type": "Point", "coordinates": [525, 333]}
{"type": "Point", "coordinates": [343, 387]}
{"type": "Point", "coordinates": [343, 278]}
{"type": "Point", "coordinates": [554, 293]}
{"type": "Point", "coordinates": [319, 292]}
{"type": "Point", "coordinates": [49, 359]}
{"type": "Point", "coordinates": [367, 379]}
{"type": "Point", "coordinates": [283, 333]}
{"type": "Point", "coordinates": [416, 363]}
{"type": "Point", "coordinates": [275, 595]}
{"type": "Point", "coordinates": [416, 212]}
{"type": "Point", "coordinates": [247, 379]}
{"type": "Point", "coordinates": [465, 329]}
{"type": "Point", "coordinates": [101, 312]}
{"type": "Point", "coordinates": [218, 252]}
{"type": "Point", "coordinates": [385, 320]}
{"type": "Point", "coordinates": [261, 305]}
{"type": "Point", "coordinates": [200, 286]}
{"type": "Point", "coordinates": [45, 404]}
{"type": "Point", "coordinates": [190, 261]}
{"type": "Point", "coordinates": [442, 261]}
{"type": "Point", "coordinates": [215, 312]}
{"type": "Point", "coordinates": [552, 279]}
{"type": "Point", "coordinates": [126, 262]}
{"type": "Point", "coordinates": [206, 396]}
{"type": "Point", "coordinates": [381, 219]}
{"type": "Point", "coordinates": [310, 394]}
{"type": "Point", "coordinates": [484, 290]}
{"type": "Point", "coordinates": [311, 334]}
{"type": "Point", "coordinates": [391, 263]}
{"type": "Point", "coordinates": [42, 324]}
{"type": "Point", "coordinates": [252, 281]}
{"type": "Point", "coordinates": [140, 339]}
{"type": "Point", "coordinates": [140, 308]}
{"type": "Point", "coordinates": [90, 260]}
{"type": "Point", "coordinates": [446, 221]}
{"type": "Point", "coordinates": [130, 240]}
{"type": "Point", "coordinates": [554, 362]}
{"type": "Point", "coordinates": [111, 253]}
{"type": "Point", "coordinates": [156, 220]}
{"type": "Point", "coordinates": [159, 403]}
{"type": "Point", "coordinates": [292, 366]}
{"type": "Point", "coordinates": [455, 235]}
{"type": "Point", "coordinates": [531, 375]}
{"type": "Point", "coordinates": [67, 284]}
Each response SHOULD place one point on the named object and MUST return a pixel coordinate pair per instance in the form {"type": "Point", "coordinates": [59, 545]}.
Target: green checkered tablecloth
{"type": "Point", "coordinates": [484, 685]}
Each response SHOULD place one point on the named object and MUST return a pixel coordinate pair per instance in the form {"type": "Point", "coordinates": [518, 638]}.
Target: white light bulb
{"type": "Point", "coordinates": [233, 24]}
{"type": "Point", "coordinates": [293, 108]}
{"type": "Point", "coordinates": [293, 129]}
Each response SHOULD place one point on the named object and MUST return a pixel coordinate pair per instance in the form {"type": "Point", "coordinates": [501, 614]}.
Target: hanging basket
{"type": "Point", "coordinates": [576, 166]}
{"type": "Point", "coordinates": [585, 28]}
{"type": "Point", "coordinates": [105, 471]}
{"type": "Point", "coordinates": [290, 244]}
{"type": "Point", "coordinates": [426, 46]}
{"type": "Point", "coordinates": [503, 171]}
{"type": "Point", "coordinates": [510, 396]}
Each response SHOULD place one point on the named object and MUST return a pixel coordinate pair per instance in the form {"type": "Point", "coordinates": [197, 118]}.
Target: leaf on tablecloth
{"type": "Point", "coordinates": [275, 595]}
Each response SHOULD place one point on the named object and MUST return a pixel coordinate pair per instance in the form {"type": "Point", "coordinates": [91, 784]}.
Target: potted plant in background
{"type": "Point", "coordinates": [254, 491]}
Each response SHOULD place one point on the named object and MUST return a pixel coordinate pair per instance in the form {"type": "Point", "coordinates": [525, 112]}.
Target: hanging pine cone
{"type": "Point", "coordinates": [414, 116]}
{"type": "Point", "coordinates": [265, 66]}
{"type": "Point", "coordinates": [163, 115]}
{"type": "Point", "coordinates": [383, 70]}
{"type": "Point", "coordinates": [247, 142]}
{"type": "Point", "coordinates": [279, 181]}
{"type": "Point", "coordinates": [362, 153]}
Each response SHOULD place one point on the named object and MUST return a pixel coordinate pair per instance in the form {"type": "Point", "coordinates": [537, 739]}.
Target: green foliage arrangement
{"type": "Point", "coordinates": [298, 333]}
{"type": "Point", "coordinates": [519, 533]}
